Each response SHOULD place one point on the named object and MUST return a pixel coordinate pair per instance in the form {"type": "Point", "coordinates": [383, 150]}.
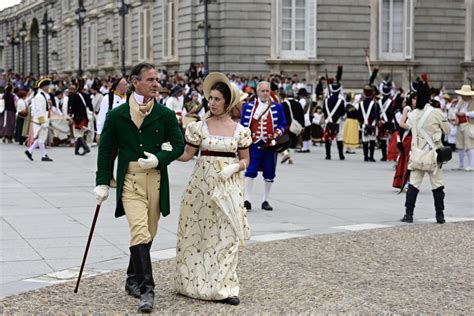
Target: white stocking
{"type": "Point", "coordinates": [305, 145]}
{"type": "Point", "coordinates": [33, 146]}
{"type": "Point", "coordinates": [470, 156]}
{"type": "Point", "coordinates": [248, 189]}
{"type": "Point", "coordinates": [268, 187]}
{"type": "Point", "coordinates": [461, 158]}
{"type": "Point", "coordinates": [42, 149]}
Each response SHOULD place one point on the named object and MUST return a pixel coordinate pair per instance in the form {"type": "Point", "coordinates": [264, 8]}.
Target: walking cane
{"type": "Point", "coordinates": [87, 246]}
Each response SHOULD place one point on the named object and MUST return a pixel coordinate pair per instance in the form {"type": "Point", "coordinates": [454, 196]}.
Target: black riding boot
{"type": "Point", "coordinates": [84, 146]}
{"type": "Point", "coordinates": [438, 195]}
{"type": "Point", "coordinates": [328, 150]}
{"type": "Point", "coordinates": [365, 147]}
{"type": "Point", "coordinates": [372, 149]}
{"type": "Point", "coordinates": [383, 149]}
{"type": "Point", "coordinates": [410, 201]}
{"type": "Point", "coordinates": [131, 284]}
{"type": "Point", "coordinates": [143, 269]}
{"type": "Point", "coordinates": [340, 148]}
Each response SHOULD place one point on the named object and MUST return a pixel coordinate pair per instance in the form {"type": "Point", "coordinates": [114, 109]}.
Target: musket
{"type": "Point", "coordinates": [409, 80]}
{"type": "Point", "coordinates": [470, 81]}
{"type": "Point", "coordinates": [87, 246]}
{"type": "Point", "coordinates": [327, 82]}
{"type": "Point", "coordinates": [367, 60]}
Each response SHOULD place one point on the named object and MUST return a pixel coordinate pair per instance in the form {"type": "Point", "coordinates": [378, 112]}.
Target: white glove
{"type": "Point", "coordinates": [149, 163]}
{"type": "Point", "coordinates": [166, 146]}
{"type": "Point", "coordinates": [229, 170]}
{"type": "Point", "coordinates": [101, 193]}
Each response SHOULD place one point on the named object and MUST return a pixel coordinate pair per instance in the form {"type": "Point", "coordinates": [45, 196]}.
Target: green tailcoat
{"type": "Point", "coordinates": [121, 133]}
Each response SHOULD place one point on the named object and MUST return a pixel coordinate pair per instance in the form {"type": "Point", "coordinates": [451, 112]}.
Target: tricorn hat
{"type": "Point", "coordinates": [277, 144]}
{"type": "Point", "coordinates": [176, 90]}
{"type": "Point", "coordinates": [79, 83]}
{"type": "Point", "coordinates": [43, 82]}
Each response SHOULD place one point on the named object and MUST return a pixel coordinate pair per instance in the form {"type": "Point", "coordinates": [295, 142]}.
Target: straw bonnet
{"type": "Point", "coordinates": [465, 90]}
{"type": "Point", "coordinates": [215, 77]}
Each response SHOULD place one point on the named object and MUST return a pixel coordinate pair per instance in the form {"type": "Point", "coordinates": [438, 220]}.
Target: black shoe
{"type": "Point", "coordinates": [86, 151]}
{"type": "Point", "coordinates": [302, 151]}
{"type": "Point", "coordinates": [407, 219]}
{"type": "Point", "coordinates": [233, 300]}
{"type": "Point", "coordinates": [372, 159]}
{"type": "Point", "coordinates": [328, 158]}
{"type": "Point", "coordinates": [366, 158]}
{"type": "Point", "coordinates": [29, 155]}
{"type": "Point", "coordinates": [350, 152]}
{"type": "Point", "coordinates": [247, 205]}
{"type": "Point", "coordinates": [266, 206]}
{"type": "Point", "coordinates": [341, 157]}
{"type": "Point", "coordinates": [383, 159]}
{"type": "Point", "coordinates": [46, 158]}
{"type": "Point", "coordinates": [285, 158]}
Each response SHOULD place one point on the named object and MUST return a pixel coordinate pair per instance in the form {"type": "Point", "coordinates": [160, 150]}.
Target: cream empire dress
{"type": "Point", "coordinates": [208, 240]}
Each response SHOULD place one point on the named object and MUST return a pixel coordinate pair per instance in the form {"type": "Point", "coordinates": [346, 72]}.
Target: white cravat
{"type": "Point", "coordinates": [138, 98]}
{"type": "Point", "coordinates": [262, 106]}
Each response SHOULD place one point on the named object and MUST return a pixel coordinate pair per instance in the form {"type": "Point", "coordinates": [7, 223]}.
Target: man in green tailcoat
{"type": "Point", "coordinates": [148, 138]}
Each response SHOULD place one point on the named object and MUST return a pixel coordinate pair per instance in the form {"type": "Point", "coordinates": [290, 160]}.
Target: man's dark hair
{"type": "Point", "coordinates": [137, 71]}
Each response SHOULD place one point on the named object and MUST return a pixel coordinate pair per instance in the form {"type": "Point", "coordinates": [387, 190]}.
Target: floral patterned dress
{"type": "Point", "coordinates": [208, 243]}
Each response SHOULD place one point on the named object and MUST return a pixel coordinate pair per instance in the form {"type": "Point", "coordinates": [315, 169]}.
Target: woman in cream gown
{"type": "Point", "coordinates": [212, 222]}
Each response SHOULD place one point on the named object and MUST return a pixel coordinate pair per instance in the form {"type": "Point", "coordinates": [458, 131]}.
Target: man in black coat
{"type": "Point", "coordinates": [78, 104]}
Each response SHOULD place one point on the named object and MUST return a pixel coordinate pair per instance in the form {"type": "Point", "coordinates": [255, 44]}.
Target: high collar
{"type": "Point", "coordinates": [138, 98]}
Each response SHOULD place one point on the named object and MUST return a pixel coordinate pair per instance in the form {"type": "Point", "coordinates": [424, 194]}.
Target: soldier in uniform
{"type": "Point", "coordinates": [425, 121]}
{"type": "Point", "coordinates": [334, 109]}
{"type": "Point", "coordinates": [40, 118]}
{"type": "Point", "coordinates": [266, 120]}
{"type": "Point", "coordinates": [78, 104]}
{"type": "Point", "coordinates": [385, 124]}
{"type": "Point", "coordinates": [368, 116]}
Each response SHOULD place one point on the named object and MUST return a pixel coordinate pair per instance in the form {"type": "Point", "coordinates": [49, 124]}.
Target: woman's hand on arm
{"type": "Point", "coordinates": [189, 152]}
{"type": "Point", "coordinates": [244, 159]}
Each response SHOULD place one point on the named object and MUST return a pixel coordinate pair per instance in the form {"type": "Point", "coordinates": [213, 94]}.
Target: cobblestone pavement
{"type": "Point", "coordinates": [407, 269]}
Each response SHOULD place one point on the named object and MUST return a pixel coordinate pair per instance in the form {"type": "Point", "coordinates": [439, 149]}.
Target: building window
{"type": "Point", "coordinates": [91, 45]}
{"type": "Point", "coordinates": [169, 30]}
{"type": "Point", "coordinates": [395, 29]}
{"type": "Point", "coordinates": [296, 28]}
{"type": "Point", "coordinates": [144, 46]}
